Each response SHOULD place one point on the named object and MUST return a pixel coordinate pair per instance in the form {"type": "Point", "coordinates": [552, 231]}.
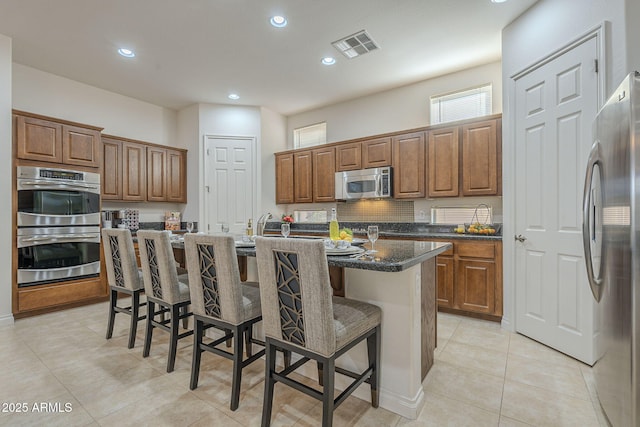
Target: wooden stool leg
{"type": "Point", "coordinates": [151, 313]}
{"type": "Point", "coordinates": [320, 379]}
{"type": "Point", "coordinates": [113, 300]}
{"type": "Point", "coordinates": [135, 310]}
{"type": "Point", "coordinates": [197, 354]}
{"type": "Point", "coordinates": [237, 367]}
{"type": "Point", "coordinates": [373, 350]}
{"type": "Point", "coordinates": [269, 367]}
{"type": "Point", "coordinates": [248, 336]}
{"type": "Point", "coordinates": [328, 375]}
{"type": "Point", "coordinates": [173, 340]}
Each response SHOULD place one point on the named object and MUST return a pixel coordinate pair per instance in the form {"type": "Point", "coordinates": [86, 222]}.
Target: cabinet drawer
{"type": "Point", "coordinates": [476, 250]}
{"type": "Point", "coordinates": [37, 297]}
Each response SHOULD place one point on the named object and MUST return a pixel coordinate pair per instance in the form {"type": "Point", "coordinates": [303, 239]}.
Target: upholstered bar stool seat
{"type": "Point", "coordinates": [124, 277]}
{"type": "Point", "coordinates": [164, 289]}
{"type": "Point", "coordinates": [222, 301]}
{"type": "Point", "coordinates": [300, 315]}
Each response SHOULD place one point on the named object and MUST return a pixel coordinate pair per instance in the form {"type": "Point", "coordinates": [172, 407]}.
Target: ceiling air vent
{"type": "Point", "coordinates": [356, 44]}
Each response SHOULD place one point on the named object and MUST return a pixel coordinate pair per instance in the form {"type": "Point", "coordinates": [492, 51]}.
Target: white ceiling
{"type": "Point", "coordinates": [192, 51]}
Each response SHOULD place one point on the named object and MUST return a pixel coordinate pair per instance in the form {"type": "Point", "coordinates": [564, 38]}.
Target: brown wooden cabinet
{"type": "Point", "coordinates": [324, 168]}
{"type": "Point", "coordinates": [138, 171]}
{"type": "Point", "coordinates": [284, 178]}
{"type": "Point", "coordinates": [481, 158]}
{"type": "Point", "coordinates": [303, 176]}
{"type": "Point", "coordinates": [376, 153]}
{"type": "Point", "coordinates": [51, 140]}
{"type": "Point", "coordinates": [156, 174]}
{"type": "Point", "coordinates": [469, 278]}
{"type": "Point", "coordinates": [409, 170]}
{"type": "Point", "coordinates": [348, 157]}
{"type": "Point", "coordinates": [443, 162]}
{"type": "Point", "coordinates": [111, 169]}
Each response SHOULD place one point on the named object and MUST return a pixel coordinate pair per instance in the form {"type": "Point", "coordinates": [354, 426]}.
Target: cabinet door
{"type": "Point", "coordinates": [324, 168]}
{"type": "Point", "coordinates": [444, 276]}
{"type": "Point", "coordinates": [376, 153]}
{"type": "Point", "coordinates": [349, 157]}
{"type": "Point", "coordinates": [156, 172]}
{"type": "Point", "coordinates": [409, 166]}
{"type": "Point", "coordinates": [111, 169]}
{"type": "Point", "coordinates": [476, 283]}
{"type": "Point", "coordinates": [134, 172]}
{"type": "Point", "coordinates": [80, 146]}
{"type": "Point", "coordinates": [302, 176]}
{"type": "Point", "coordinates": [480, 158]}
{"type": "Point", "coordinates": [284, 178]}
{"type": "Point", "coordinates": [176, 176]}
{"type": "Point", "coordinates": [443, 162]}
{"type": "Point", "coordinates": [38, 139]}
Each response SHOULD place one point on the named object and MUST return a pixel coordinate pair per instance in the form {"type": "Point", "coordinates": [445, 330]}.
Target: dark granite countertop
{"type": "Point", "coordinates": [400, 230]}
{"type": "Point", "coordinates": [392, 255]}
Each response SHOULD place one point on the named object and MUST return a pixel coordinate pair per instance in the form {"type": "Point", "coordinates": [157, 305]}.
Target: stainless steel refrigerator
{"type": "Point", "coordinates": [611, 234]}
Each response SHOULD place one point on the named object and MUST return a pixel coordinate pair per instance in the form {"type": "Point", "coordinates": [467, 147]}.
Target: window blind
{"type": "Point", "coordinates": [461, 105]}
{"type": "Point", "coordinates": [309, 136]}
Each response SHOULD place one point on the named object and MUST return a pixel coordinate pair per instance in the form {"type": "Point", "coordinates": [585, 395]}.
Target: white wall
{"type": "Point", "coordinates": [189, 134]}
{"type": "Point", "coordinates": [273, 139]}
{"type": "Point", "coordinates": [546, 27]}
{"type": "Point", "coordinates": [6, 318]}
{"type": "Point", "coordinates": [632, 14]}
{"type": "Point", "coordinates": [43, 93]}
{"type": "Point", "coordinates": [402, 108]}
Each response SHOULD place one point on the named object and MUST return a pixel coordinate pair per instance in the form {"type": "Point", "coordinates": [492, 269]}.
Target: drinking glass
{"type": "Point", "coordinates": [372, 234]}
{"type": "Point", "coordinates": [189, 227]}
{"type": "Point", "coordinates": [285, 229]}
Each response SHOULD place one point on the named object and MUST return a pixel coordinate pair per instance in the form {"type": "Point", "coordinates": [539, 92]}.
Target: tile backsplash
{"type": "Point", "coordinates": [387, 210]}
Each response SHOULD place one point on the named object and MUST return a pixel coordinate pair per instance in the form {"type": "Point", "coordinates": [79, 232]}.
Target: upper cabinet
{"type": "Point", "coordinates": [284, 178]}
{"type": "Point", "coordinates": [45, 139]}
{"type": "Point", "coordinates": [409, 158]}
{"type": "Point", "coordinates": [348, 157]}
{"type": "Point", "coordinates": [148, 172]}
{"type": "Point", "coordinates": [324, 173]}
{"type": "Point", "coordinates": [443, 162]}
{"type": "Point", "coordinates": [481, 158]}
{"type": "Point", "coordinates": [376, 153]}
{"type": "Point", "coordinates": [450, 160]}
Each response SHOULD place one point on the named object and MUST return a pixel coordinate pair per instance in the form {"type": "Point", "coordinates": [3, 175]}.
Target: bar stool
{"type": "Point", "coordinates": [221, 300]}
{"type": "Point", "coordinates": [163, 288]}
{"type": "Point", "coordinates": [123, 276]}
{"type": "Point", "coordinates": [300, 315]}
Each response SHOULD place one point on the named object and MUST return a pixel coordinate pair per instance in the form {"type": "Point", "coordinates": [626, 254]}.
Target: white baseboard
{"type": "Point", "coordinates": [6, 320]}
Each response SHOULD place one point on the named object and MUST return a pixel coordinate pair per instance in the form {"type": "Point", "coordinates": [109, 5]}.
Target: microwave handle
{"type": "Point", "coordinates": [378, 185]}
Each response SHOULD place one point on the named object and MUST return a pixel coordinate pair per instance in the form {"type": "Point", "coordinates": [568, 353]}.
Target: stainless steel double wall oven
{"type": "Point", "coordinates": [58, 219]}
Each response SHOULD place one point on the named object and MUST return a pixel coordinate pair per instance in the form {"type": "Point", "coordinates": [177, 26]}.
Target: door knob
{"type": "Point", "coordinates": [520, 238]}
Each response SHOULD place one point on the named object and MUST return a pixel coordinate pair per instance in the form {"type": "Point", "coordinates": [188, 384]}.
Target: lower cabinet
{"type": "Point", "coordinates": [469, 278]}
{"type": "Point", "coordinates": [35, 299]}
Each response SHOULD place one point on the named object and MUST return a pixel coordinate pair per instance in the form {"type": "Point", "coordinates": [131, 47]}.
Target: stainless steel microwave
{"type": "Point", "coordinates": [372, 183]}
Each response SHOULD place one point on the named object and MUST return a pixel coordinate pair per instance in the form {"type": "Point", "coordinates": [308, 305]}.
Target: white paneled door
{"type": "Point", "coordinates": [229, 182]}
{"type": "Point", "coordinates": [555, 106]}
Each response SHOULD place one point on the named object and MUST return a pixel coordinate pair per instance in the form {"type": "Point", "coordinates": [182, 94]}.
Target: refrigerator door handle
{"type": "Point", "coordinates": [589, 218]}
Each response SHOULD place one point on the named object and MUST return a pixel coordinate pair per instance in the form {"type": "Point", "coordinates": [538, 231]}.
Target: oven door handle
{"type": "Point", "coordinates": [59, 184]}
{"type": "Point", "coordinates": [60, 238]}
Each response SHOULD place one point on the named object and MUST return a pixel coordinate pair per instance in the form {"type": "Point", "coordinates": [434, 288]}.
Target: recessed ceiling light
{"type": "Point", "coordinates": [328, 60]}
{"type": "Point", "coordinates": [234, 96]}
{"type": "Point", "coordinates": [498, 1]}
{"type": "Point", "coordinates": [127, 53]}
{"type": "Point", "coordinates": [278, 21]}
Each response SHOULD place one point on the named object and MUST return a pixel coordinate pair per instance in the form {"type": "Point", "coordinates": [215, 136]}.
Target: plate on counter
{"type": "Point", "coordinates": [241, 244]}
{"type": "Point", "coordinates": [351, 250]}
{"type": "Point", "coordinates": [357, 241]}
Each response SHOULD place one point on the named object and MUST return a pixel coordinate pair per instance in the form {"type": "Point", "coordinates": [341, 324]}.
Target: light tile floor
{"type": "Point", "coordinates": [483, 376]}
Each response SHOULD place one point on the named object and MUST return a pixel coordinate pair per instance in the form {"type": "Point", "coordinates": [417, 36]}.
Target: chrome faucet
{"type": "Point", "coordinates": [262, 221]}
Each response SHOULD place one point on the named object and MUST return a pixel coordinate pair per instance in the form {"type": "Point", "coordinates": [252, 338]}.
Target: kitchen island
{"type": "Point", "coordinates": [401, 279]}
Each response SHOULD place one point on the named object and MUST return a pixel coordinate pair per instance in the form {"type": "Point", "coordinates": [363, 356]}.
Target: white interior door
{"type": "Point", "coordinates": [229, 184]}
{"type": "Point", "coordinates": [555, 106]}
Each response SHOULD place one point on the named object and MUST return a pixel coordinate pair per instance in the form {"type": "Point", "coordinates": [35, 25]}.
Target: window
{"type": "Point", "coordinates": [461, 105]}
{"type": "Point", "coordinates": [308, 136]}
